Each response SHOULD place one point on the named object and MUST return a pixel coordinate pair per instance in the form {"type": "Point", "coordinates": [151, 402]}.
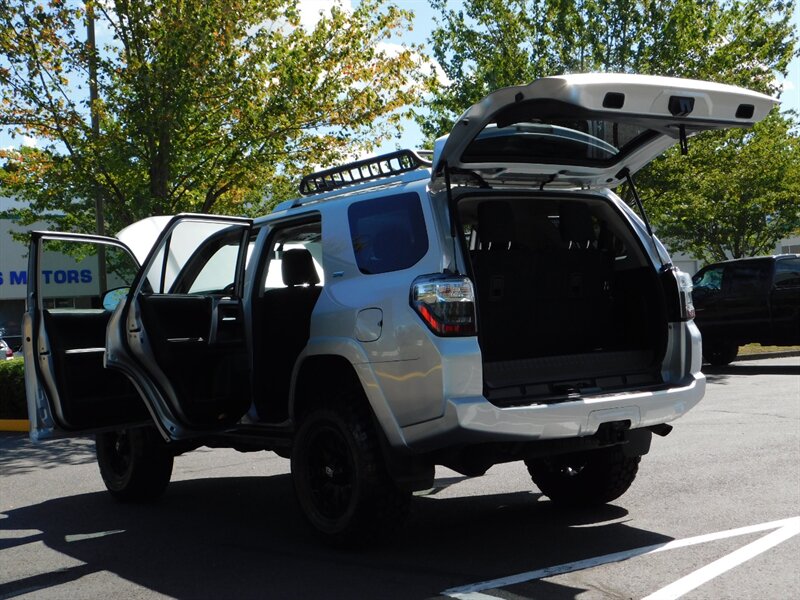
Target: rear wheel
{"type": "Point", "coordinates": [341, 480]}
{"type": "Point", "coordinates": [720, 354]}
{"type": "Point", "coordinates": [585, 478]}
{"type": "Point", "coordinates": [135, 464]}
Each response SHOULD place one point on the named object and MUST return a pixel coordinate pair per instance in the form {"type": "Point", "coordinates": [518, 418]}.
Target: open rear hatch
{"type": "Point", "coordinates": [588, 129]}
{"type": "Point", "coordinates": [568, 299]}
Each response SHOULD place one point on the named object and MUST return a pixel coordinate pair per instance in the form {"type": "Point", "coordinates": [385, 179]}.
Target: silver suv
{"type": "Point", "coordinates": [491, 301]}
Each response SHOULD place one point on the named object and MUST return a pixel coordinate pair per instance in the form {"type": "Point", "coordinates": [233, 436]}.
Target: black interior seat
{"type": "Point", "coordinates": [285, 322]}
{"type": "Point", "coordinates": [583, 304]}
{"type": "Point", "coordinates": [502, 268]}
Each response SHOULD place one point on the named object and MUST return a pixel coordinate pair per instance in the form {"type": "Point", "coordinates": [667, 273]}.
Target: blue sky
{"type": "Point", "coordinates": [411, 136]}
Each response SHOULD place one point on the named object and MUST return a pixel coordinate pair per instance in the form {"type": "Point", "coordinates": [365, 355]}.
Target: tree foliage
{"type": "Point", "coordinates": [736, 193]}
{"type": "Point", "coordinates": [204, 105]}
{"type": "Point", "coordinates": [728, 196]}
{"type": "Point", "coordinates": [489, 44]}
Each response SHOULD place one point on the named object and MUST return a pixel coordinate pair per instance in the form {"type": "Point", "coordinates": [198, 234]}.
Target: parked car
{"type": "Point", "coordinates": [747, 300]}
{"type": "Point", "coordinates": [6, 352]}
{"type": "Point", "coordinates": [493, 301]}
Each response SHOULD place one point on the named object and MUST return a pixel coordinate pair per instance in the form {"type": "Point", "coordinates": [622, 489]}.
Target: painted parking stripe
{"type": "Point", "coordinates": [726, 563]}
{"type": "Point", "coordinates": [786, 527]}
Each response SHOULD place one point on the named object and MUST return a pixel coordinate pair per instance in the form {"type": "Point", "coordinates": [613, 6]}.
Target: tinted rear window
{"type": "Point", "coordinates": [545, 131]}
{"type": "Point", "coordinates": [787, 273]}
{"type": "Point", "coordinates": [388, 233]}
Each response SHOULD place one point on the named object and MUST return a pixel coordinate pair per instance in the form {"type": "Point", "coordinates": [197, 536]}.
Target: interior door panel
{"type": "Point", "coordinates": [73, 278]}
{"type": "Point", "coordinates": [202, 354]}
{"type": "Point", "coordinates": [90, 395]}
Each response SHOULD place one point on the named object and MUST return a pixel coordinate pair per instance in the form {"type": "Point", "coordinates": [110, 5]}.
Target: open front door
{"type": "Point", "coordinates": [74, 284]}
{"type": "Point", "coordinates": [181, 334]}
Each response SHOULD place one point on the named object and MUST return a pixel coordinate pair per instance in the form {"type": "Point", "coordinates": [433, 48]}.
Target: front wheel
{"type": "Point", "coordinates": [341, 480]}
{"type": "Point", "coordinates": [585, 479]}
{"type": "Point", "coordinates": [135, 464]}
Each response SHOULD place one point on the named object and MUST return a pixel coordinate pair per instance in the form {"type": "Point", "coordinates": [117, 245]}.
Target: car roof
{"type": "Point", "coordinates": [751, 259]}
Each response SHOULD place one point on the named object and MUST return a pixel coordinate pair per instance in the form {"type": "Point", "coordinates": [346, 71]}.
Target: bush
{"type": "Point", "coordinates": [12, 389]}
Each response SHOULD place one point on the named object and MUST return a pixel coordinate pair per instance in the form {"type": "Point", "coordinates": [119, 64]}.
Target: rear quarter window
{"type": "Point", "coordinates": [388, 234]}
{"type": "Point", "coordinates": [787, 273]}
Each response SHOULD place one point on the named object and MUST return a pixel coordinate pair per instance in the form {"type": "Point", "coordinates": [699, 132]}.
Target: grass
{"type": "Point", "coordinates": [759, 349]}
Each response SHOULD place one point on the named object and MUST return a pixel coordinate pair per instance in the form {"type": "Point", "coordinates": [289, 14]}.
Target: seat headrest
{"type": "Point", "coordinates": [575, 223]}
{"type": "Point", "coordinates": [495, 223]}
{"type": "Point", "coordinates": [297, 268]}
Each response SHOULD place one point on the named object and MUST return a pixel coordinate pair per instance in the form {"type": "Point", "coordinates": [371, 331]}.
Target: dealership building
{"type": "Point", "coordinates": [67, 280]}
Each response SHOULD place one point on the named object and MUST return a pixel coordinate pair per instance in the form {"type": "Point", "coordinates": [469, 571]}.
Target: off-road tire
{"type": "Point", "coordinates": [135, 464]}
{"type": "Point", "coordinates": [341, 481]}
{"type": "Point", "coordinates": [585, 478]}
{"type": "Point", "coordinates": [720, 355]}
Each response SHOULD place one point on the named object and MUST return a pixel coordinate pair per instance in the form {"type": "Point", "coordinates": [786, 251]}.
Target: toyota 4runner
{"type": "Point", "coordinates": [491, 301]}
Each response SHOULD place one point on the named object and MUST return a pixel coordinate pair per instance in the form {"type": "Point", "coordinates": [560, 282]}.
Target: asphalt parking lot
{"type": "Point", "coordinates": [714, 513]}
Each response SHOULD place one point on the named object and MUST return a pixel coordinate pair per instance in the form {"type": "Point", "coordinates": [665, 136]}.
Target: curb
{"type": "Point", "coordinates": [766, 355]}
{"type": "Point", "coordinates": [15, 425]}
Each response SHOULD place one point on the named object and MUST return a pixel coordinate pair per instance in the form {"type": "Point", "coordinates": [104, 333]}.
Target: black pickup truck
{"type": "Point", "coordinates": [747, 300]}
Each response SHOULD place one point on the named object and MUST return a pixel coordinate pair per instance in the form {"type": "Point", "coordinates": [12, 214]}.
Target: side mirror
{"type": "Point", "coordinates": [112, 298]}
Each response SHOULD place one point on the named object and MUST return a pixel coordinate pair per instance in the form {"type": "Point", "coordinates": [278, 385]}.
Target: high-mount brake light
{"type": "Point", "coordinates": [446, 304]}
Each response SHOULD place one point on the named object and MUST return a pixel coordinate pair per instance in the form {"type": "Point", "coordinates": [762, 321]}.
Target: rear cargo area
{"type": "Point", "coordinates": [567, 300]}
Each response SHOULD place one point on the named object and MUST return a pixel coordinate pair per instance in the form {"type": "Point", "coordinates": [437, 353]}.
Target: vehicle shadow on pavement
{"type": "Point", "coordinates": [244, 537]}
{"type": "Point", "coordinates": [720, 374]}
{"type": "Point", "coordinates": [19, 457]}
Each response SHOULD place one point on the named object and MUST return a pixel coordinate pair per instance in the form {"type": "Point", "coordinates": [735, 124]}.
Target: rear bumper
{"type": "Point", "coordinates": [468, 420]}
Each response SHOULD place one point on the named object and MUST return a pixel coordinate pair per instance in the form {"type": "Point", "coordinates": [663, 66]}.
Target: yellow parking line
{"type": "Point", "coordinates": [14, 425]}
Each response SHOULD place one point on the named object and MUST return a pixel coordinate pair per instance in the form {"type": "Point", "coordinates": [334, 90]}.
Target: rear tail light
{"type": "Point", "coordinates": [678, 290]}
{"type": "Point", "coordinates": [685, 295]}
{"type": "Point", "coordinates": [445, 303]}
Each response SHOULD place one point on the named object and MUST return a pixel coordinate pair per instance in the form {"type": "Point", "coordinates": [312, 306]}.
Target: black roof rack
{"type": "Point", "coordinates": [385, 165]}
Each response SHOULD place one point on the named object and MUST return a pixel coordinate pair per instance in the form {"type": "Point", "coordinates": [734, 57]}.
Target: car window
{"type": "Point", "coordinates": [197, 257]}
{"type": "Point", "coordinates": [388, 234]}
{"type": "Point", "coordinates": [787, 273]}
{"type": "Point", "coordinates": [745, 278]}
{"type": "Point", "coordinates": [709, 280]}
{"type": "Point", "coordinates": [307, 236]}
{"type": "Point", "coordinates": [77, 275]}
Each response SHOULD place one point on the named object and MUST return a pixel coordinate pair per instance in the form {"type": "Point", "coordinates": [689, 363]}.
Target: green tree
{"type": "Point", "coordinates": [735, 194]}
{"type": "Point", "coordinates": [204, 105]}
{"type": "Point", "coordinates": [488, 44]}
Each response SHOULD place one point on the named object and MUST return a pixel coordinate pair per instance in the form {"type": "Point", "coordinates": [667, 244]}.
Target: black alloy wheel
{"type": "Point", "coordinates": [135, 464]}
{"type": "Point", "coordinates": [341, 481]}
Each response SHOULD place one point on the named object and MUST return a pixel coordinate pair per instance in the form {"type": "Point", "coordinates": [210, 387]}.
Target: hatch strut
{"type": "Point", "coordinates": [451, 209]}
{"type": "Point", "coordinates": [626, 173]}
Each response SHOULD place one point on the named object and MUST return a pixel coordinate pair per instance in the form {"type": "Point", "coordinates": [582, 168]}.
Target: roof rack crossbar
{"type": "Point", "coordinates": [385, 165]}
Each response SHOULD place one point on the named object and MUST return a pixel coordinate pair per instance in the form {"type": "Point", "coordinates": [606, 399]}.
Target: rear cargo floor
{"type": "Point", "coordinates": [509, 381]}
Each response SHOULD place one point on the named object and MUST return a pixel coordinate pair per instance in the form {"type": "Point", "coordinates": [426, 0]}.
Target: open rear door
{"type": "Point", "coordinates": [181, 334]}
{"type": "Point", "coordinates": [74, 284]}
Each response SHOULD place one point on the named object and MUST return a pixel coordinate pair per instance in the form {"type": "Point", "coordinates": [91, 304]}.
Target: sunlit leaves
{"type": "Point", "coordinates": [205, 105]}
{"type": "Point", "coordinates": [487, 44]}
{"type": "Point", "coordinates": [735, 194]}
